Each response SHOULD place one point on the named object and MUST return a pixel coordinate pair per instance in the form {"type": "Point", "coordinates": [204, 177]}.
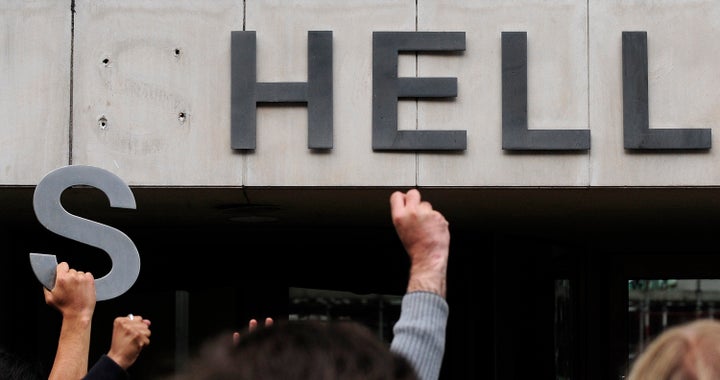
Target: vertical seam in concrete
{"type": "Point", "coordinates": [417, 102]}
{"type": "Point", "coordinates": [587, 59]}
{"type": "Point", "coordinates": [72, 54]}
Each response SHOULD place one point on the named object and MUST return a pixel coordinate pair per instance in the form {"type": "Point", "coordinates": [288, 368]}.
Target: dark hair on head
{"type": "Point", "coordinates": [16, 367]}
{"type": "Point", "coordinates": [300, 350]}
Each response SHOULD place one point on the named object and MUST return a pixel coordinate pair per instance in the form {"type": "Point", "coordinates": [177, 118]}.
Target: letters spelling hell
{"type": "Point", "coordinates": [317, 93]}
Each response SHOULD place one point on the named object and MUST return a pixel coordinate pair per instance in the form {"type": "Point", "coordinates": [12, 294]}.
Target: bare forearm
{"type": "Point", "coordinates": [427, 283]}
{"type": "Point", "coordinates": [71, 358]}
{"type": "Point", "coordinates": [429, 273]}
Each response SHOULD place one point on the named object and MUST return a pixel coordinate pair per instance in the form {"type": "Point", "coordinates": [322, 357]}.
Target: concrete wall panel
{"type": "Point", "coordinates": [683, 92]}
{"type": "Point", "coordinates": [557, 91]}
{"type": "Point", "coordinates": [34, 88]}
{"type": "Point", "coordinates": [282, 157]}
{"type": "Point", "coordinates": [152, 90]}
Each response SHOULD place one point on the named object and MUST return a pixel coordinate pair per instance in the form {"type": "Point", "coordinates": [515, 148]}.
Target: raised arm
{"type": "Point", "coordinates": [419, 334]}
{"type": "Point", "coordinates": [425, 235]}
{"type": "Point", "coordinates": [74, 296]}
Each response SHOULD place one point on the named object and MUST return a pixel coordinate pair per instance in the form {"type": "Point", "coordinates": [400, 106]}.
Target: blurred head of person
{"type": "Point", "coordinates": [690, 351]}
{"type": "Point", "coordinates": [299, 350]}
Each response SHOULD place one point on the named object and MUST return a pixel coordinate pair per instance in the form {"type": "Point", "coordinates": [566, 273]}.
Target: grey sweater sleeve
{"type": "Point", "coordinates": [419, 334]}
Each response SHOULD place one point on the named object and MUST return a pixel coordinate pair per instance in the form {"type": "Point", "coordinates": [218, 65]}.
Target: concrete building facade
{"type": "Point", "coordinates": [570, 143]}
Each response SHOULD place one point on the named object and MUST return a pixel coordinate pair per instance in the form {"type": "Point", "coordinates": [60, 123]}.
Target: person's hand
{"type": "Point", "coordinates": [252, 325]}
{"type": "Point", "coordinates": [130, 335]}
{"type": "Point", "coordinates": [73, 294]}
{"type": "Point", "coordinates": [425, 235]}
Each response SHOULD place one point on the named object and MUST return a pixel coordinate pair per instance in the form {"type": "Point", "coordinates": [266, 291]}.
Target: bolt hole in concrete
{"type": "Point", "coordinates": [177, 52]}
{"type": "Point", "coordinates": [102, 122]}
{"type": "Point", "coordinates": [181, 117]}
{"type": "Point", "coordinates": [106, 61]}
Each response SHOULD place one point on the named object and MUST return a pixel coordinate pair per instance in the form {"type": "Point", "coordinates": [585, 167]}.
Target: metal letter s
{"type": "Point", "coordinates": [122, 251]}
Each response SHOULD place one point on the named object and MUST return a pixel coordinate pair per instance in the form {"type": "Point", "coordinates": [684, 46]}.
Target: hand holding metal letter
{"type": "Point", "coordinates": [49, 211]}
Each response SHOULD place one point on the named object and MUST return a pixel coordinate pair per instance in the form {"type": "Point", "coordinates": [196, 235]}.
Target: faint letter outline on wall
{"type": "Point", "coordinates": [49, 211]}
